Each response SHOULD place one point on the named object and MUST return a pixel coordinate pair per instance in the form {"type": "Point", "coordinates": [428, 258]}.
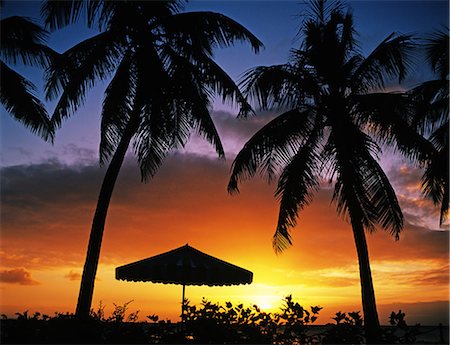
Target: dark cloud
{"type": "Point", "coordinates": [32, 186]}
{"type": "Point", "coordinates": [47, 211]}
{"type": "Point", "coordinates": [17, 276]}
{"type": "Point", "coordinates": [47, 208]}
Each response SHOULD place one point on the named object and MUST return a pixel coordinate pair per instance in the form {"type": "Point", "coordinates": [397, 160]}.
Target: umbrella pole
{"type": "Point", "coordinates": [182, 305]}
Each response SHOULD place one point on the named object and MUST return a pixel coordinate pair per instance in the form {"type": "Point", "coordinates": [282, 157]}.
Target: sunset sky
{"type": "Point", "coordinates": [49, 192]}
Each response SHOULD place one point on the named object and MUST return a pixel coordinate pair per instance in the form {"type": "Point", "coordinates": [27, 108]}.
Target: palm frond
{"type": "Point", "coordinates": [18, 97]}
{"type": "Point", "coordinates": [210, 29]}
{"type": "Point", "coordinates": [384, 199]}
{"type": "Point", "coordinates": [204, 125]}
{"type": "Point", "coordinates": [155, 107]}
{"type": "Point", "coordinates": [390, 116]}
{"type": "Point", "coordinates": [321, 10]}
{"type": "Point", "coordinates": [432, 103]}
{"type": "Point", "coordinates": [390, 59]}
{"type": "Point", "coordinates": [437, 50]}
{"type": "Point", "coordinates": [362, 190]}
{"type": "Point", "coordinates": [24, 41]}
{"type": "Point", "coordinates": [59, 14]}
{"type": "Point", "coordinates": [435, 180]}
{"type": "Point", "coordinates": [222, 84]}
{"type": "Point", "coordinates": [207, 73]}
{"type": "Point", "coordinates": [348, 41]}
{"type": "Point", "coordinates": [344, 151]}
{"type": "Point", "coordinates": [272, 146]}
{"type": "Point", "coordinates": [278, 86]}
{"type": "Point", "coordinates": [295, 189]}
{"type": "Point", "coordinates": [78, 69]}
{"type": "Point", "coordinates": [152, 143]}
{"type": "Point", "coordinates": [440, 137]}
{"type": "Point", "coordinates": [190, 92]}
{"type": "Point", "coordinates": [117, 107]}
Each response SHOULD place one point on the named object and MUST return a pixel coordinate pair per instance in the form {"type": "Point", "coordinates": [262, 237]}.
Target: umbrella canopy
{"type": "Point", "coordinates": [185, 266]}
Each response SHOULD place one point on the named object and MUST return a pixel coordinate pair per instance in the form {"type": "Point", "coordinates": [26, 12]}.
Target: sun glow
{"type": "Point", "coordinates": [266, 302]}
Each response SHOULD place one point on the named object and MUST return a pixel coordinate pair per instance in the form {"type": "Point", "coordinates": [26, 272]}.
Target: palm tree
{"type": "Point", "coordinates": [334, 114]}
{"type": "Point", "coordinates": [432, 122]}
{"type": "Point", "coordinates": [162, 76]}
{"type": "Point", "coordinates": [22, 41]}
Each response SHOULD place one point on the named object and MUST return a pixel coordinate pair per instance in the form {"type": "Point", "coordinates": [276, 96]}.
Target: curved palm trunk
{"type": "Point", "coordinates": [371, 322]}
{"type": "Point", "coordinates": [98, 223]}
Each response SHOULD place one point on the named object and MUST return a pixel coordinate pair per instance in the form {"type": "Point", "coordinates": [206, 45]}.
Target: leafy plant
{"type": "Point", "coordinates": [347, 330]}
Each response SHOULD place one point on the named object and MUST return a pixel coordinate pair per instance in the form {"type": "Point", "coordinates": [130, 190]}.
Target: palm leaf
{"type": "Point", "coordinates": [435, 185]}
{"type": "Point", "coordinates": [78, 69]}
{"type": "Point", "coordinates": [271, 147]}
{"type": "Point", "coordinates": [279, 86]}
{"type": "Point", "coordinates": [23, 41]}
{"type": "Point", "coordinates": [154, 105]}
{"type": "Point", "coordinates": [191, 92]}
{"type": "Point", "coordinates": [437, 50]}
{"type": "Point", "coordinates": [435, 180]}
{"type": "Point", "coordinates": [117, 107]}
{"type": "Point", "coordinates": [390, 59]}
{"type": "Point", "coordinates": [18, 98]}
{"type": "Point", "coordinates": [431, 99]}
{"type": "Point", "coordinates": [440, 137]}
{"type": "Point", "coordinates": [384, 199]}
{"type": "Point", "coordinates": [295, 190]}
{"type": "Point", "coordinates": [319, 11]}
{"type": "Point", "coordinates": [345, 152]}
{"type": "Point", "coordinates": [390, 116]}
{"type": "Point", "coordinates": [362, 190]}
{"type": "Point", "coordinates": [210, 29]}
{"type": "Point", "coordinates": [59, 14]}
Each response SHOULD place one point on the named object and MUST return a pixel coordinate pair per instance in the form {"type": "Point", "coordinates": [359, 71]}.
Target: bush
{"type": "Point", "coordinates": [207, 323]}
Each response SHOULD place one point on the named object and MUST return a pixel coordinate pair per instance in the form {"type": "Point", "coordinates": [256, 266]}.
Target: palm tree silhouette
{"type": "Point", "coordinates": [333, 115]}
{"type": "Point", "coordinates": [22, 41]}
{"type": "Point", "coordinates": [432, 122]}
{"type": "Point", "coordinates": [163, 74]}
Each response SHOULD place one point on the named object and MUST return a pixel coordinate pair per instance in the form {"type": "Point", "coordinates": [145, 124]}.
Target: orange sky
{"type": "Point", "coordinates": [47, 206]}
{"type": "Point", "coordinates": [47, 210]}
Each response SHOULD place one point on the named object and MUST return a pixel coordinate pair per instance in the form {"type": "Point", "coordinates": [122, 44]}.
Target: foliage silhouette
{"type": "Point", "coordinates": [432, 122]}
{"type": "Point", "coordinates": [335, 119]}
{"type": "Point", "coordinates": [348, 329]}
{"type": "Point", "coordinates": [207, 323]}
{"type": "Point", "coordinates": [212, 322]}
{"type": "Point", "coordinates": [163, 74]}
{"type": "Point", "coordinates": [23, 41]}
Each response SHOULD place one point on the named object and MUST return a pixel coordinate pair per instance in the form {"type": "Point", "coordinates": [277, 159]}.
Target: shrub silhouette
{"type": "Point", "coordinates": [207, 323]}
